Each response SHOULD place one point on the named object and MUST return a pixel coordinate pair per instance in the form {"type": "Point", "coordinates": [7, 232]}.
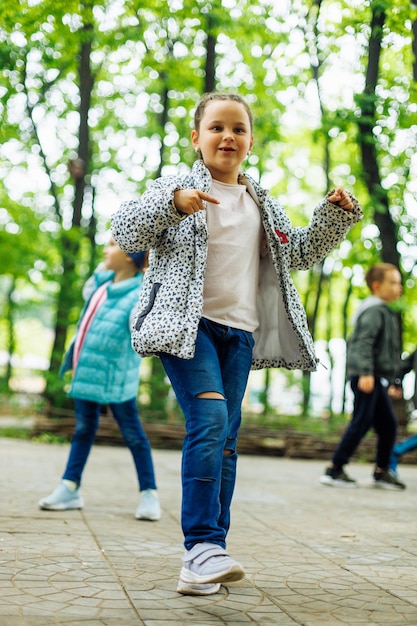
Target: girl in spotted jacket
{"type": "Point", "coordinates": [218, 300]}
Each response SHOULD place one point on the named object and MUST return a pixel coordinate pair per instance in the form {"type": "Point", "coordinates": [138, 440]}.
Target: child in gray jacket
{"type": "Point", "coordinates": [373, 364]}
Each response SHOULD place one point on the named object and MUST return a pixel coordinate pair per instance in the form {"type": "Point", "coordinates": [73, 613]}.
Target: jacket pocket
{"type": "Point", "coordinates": [148, 308]}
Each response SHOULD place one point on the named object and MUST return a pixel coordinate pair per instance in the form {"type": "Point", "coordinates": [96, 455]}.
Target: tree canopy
{"type": "Point", "coordinates": [97, 97]}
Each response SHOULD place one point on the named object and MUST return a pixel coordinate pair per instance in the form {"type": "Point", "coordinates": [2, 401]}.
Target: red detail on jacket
{"type": "Point", "coordinates": [282, 236]}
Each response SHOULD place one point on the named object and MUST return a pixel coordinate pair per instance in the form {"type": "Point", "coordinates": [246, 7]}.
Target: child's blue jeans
{"type": "Point", "coordinates": [401, 448]}
{"type": "Point", "coordinates": [222, 361]}
{"type": "Point", "coordinates": [87, 421]}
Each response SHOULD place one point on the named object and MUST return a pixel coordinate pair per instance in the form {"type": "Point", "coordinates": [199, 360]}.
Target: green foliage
{"type": "Point", "coordinates": [301, 66]}
{"type": "Point", "coordinates": [14, 432]}
{"type": "Point", "coordinates": [285, 423]}
{"type": "Point", "coordinates": [50, 438]}
{"type": "Point", "coordinates": [153, 392]}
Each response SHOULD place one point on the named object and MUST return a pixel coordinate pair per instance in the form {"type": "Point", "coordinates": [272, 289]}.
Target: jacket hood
{"type": "Point", "coordinates": [369, 302]}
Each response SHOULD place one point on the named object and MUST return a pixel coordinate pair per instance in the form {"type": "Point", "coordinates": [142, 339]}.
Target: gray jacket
{"type": "Point", "coordinates": [374, 347]}
{"type": "Point", "coordinates": [171, 300]}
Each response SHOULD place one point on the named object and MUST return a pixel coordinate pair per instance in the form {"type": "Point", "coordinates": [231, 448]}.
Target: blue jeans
{"type": "Point", "coordinates": [401, 448]}
{"type": "Point", "coordinates": [126, 415]}
{"type": "Point", "coordinates": [370, 410]}
{"type": "Point", "coordinates": [222, 362]}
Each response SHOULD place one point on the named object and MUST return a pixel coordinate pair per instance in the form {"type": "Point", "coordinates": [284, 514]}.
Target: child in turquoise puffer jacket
{"type": "Point", "coordinates": [106, 371]}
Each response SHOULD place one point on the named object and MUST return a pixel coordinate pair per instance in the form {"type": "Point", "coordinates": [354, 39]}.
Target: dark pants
{"type": "Point", "coordinates": [370, 410]}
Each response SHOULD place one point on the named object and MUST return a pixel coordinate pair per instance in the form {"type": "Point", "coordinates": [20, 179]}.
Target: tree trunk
{"type": "Point", "coordinates": [367, 142]}
{"type": "Point", "coordinates": [264, 394]}
{"type": "Point", "coordinates": [10, 339]}
{"type": "Point", "coordinates": [371, 173]}
{"type": "Point", "coordinates": [312, 36]}
{"type": "Point", "coordinates": [414, 45]}
{"type": "Point", "coordinates": [70, 239]}
{"type": "Point", "coordinates": [210, 69]}
{"type": "Point", "coordinates": [345, 331]}
{"type": "Point", "coordinates": [329, 310]}
{"type": "Point", "coordinates": [311, 320]}
{"type": "Point", "coordinates": [210, 82]}
{"type": "Point", "coordinates": [163, 118]}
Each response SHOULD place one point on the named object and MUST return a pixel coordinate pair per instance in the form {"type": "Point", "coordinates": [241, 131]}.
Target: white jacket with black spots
{"type": "Point", "coordinates": [171, 300]}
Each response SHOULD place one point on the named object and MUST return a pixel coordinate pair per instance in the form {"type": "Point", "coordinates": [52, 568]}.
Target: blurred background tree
{"type": "Point", "coordinates": [97, 98]}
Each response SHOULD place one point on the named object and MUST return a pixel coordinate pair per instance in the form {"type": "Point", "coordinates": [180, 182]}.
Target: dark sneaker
{"type": "Point", "coordinates": [337, 478]}
{"type": "Point", "coordinates": [387, 480]}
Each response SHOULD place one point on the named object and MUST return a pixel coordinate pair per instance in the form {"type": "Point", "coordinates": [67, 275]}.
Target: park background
{"type": "Point", "coordinates": [96, 99]}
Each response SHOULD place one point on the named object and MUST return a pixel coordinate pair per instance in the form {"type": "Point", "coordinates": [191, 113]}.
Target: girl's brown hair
{"type": "Point", "coordinates": [210, 97]}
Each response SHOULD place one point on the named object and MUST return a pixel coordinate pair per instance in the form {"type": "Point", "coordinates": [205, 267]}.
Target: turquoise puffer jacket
{"type": "Point", "coordinates": [108, 369]}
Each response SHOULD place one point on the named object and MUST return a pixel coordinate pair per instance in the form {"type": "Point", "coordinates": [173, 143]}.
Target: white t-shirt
{"type": "Point", "coordinates": [231, 280]}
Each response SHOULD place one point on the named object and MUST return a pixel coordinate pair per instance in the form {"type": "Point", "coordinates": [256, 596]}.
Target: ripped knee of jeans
{"type": "Point", "coordinates": [230, 447]}
{"type": "Point", "coordinates": [213, 395]}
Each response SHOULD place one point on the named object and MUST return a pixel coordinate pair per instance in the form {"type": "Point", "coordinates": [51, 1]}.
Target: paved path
{"type": "Point", "coordinates": [314, 556]}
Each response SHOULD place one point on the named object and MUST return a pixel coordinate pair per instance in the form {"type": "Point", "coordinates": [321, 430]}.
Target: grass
{"type": "Point", "coordinates": [15, 432]}
{"type": "Point", "coordinates": [50, 438]}
{"type": "Point", "coordinates": [299, 423]}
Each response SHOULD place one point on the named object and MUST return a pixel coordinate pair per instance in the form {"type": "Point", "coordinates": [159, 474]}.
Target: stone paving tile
{"type": "Point", "coordinates": [314, 556]}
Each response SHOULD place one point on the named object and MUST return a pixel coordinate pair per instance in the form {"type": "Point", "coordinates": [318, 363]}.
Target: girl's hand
{"type": "Point", "coordinates": [342, 199]}
{"type": "Point", "coordinates": [190, 201]}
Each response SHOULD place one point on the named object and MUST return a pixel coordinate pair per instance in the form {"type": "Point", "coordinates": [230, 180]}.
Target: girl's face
{"type": "Point", "coordinates": [224, 139]}
{"type": "Point", "coordinates": [114, 258]}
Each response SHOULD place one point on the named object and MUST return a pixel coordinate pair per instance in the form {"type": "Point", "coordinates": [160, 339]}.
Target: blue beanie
{"type": "Point", "coordinates": [138, 258]}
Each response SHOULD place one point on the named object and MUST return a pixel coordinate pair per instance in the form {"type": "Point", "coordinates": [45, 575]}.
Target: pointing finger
{"type": "Point", "coordinates": [208, 198]}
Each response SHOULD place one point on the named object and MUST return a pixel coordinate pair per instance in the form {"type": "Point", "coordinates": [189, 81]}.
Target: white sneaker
{"type": "Point", "coordinates": [149, 507]}
{"type": "Point", "coordinates": [209, 563]}
{"type": "Point", "coordinates": [62, 499]}
{"type": "Point", "coordinates": [189, 589]}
